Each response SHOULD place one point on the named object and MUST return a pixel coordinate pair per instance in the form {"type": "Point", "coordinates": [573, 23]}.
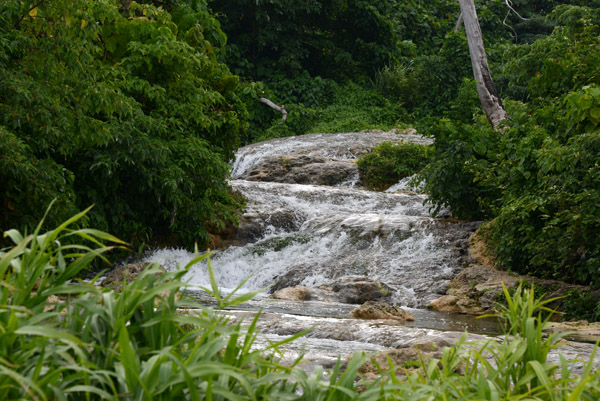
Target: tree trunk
{"type": "Point", "coordinates": [490, 99]}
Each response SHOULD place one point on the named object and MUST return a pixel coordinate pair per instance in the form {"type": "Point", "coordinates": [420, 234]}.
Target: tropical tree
{"type": "Point", "coordinates": [127, 108]}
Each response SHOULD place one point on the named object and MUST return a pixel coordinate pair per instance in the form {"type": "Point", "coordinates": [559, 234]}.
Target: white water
{"type": "Point", "coordinates": [341, 146]}
{"type": "Point", "coordinates": [311, 235]}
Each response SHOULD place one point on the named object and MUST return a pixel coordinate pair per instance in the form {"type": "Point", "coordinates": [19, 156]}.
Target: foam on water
{"type": "Point", "coordinates": [386, 237]}
{"type": "Point", "coordinates": [311, 235]}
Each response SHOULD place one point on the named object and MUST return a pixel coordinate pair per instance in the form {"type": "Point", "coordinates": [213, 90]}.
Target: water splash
{"type": "Point", "coordinates": [312, 235]}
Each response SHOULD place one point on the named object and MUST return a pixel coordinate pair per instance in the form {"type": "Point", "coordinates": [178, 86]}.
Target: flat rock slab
{"type": "Point", "coordinates": [580, 331]}
{"type": "Point", "coordinates": [309, 170]}
{"type": "Point", "coordinates": [381, 310]}
{"type": "Point", "coordinates": [341, 146]}
{"type": "Point", "coordinates": [330, 338]}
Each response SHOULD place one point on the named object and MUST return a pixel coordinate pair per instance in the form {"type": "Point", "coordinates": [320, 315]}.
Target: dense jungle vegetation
{"type": "Point", "coordinates": [137, 108]}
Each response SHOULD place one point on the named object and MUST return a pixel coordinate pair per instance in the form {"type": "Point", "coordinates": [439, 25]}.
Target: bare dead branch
{"type": "Point", "coordinates": [272, 105]}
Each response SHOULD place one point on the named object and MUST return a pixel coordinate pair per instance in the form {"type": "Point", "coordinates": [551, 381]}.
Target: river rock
{"type": "Point", "coordinates": [580, 331]}
{"type": "Point", "coordinates": [478, 287]}
{"type": "Point", "coordinates": [297, 293]}
{"type": "Point", "coordinates": [302, 169]}
{"type": "Point", "coordinates": [357, 290]}
{"type": "Point", "coordinates": [114, 279]}
{"type": "Point", "coordinates": [255, 223]}
{"type": "Point", "coordinates": [403, 360]}
{"type": "Point", "coordinates": [400, 359]}
{"type": "Point", "coordinates": [332, 146]}
{"type": "Point", "coordinates": [456, 304]}
{"type": "Point", "coordinates": [381, 310]}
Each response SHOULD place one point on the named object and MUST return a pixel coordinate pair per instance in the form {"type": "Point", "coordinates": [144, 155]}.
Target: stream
{"type": "Point", "coordinates": [307, 223]}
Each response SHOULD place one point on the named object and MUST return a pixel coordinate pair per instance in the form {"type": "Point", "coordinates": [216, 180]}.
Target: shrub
{"type": "Point", "coordinates": [356, 108]}
{"type": "Point", "coordinates": [124, 109]}
{"type": "Point", "coordinates": [387, 163]}
{"type": "Point", "coordinates": [456, 175]}
{"type": "Point", "coordinates": [581, 305]}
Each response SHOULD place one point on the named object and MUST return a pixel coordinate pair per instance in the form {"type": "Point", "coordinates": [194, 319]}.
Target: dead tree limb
{"type": "Point", "coordinates": [490, 99]}
{"type": "Point", "coordinates": [272, 105]}
{"type": "Point", "coordinates": [459, 23]}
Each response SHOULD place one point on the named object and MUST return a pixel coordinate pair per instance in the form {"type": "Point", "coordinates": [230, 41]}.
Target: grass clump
{"type": "Point", "coordinates": [387, 163]}
{"type": "Point", "coordinates": [67, 340]}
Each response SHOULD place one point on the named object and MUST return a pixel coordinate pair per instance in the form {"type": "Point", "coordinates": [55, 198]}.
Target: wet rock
{"type": "Point", "coordinates": [301, 169]}
{"type": "Point", "coordinates": [477, 288]}
{"type": "Point", "coordinates": [291, 278]}
{"type": "Point", "coordinates": [431, 345]}
{"type": "Point", "coordinates": [456, 304]}
{"type": "Point", "coordinates": [580, 331]}
{"type": "Point", "coordinates": [357, 290]}
{"type": "Point", "coordinates": [381, 310]}
{"type": "Point", "coordinates": [332, 146]}
{"type": "Point", "coordinates": [255, 223]}
{"type": "Point", "coordinates": [346, 290]}
{"type": "Point", "coordinates": [400, 358]}
{"type": "Point", "coordinates": [114, 279]}
{"type": "Point", "coordinates": [297, 293]}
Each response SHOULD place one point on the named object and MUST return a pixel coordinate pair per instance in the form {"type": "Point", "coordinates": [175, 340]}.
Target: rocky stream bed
{"type": "Point", "coordinates": [320, 246]}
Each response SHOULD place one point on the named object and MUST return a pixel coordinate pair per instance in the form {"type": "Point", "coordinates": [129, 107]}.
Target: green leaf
{"type": "Point", "coordinates": [48, 332]}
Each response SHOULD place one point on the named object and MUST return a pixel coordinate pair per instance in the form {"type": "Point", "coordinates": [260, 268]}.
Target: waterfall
{"type": "Point", "coordinates": [311, 235]}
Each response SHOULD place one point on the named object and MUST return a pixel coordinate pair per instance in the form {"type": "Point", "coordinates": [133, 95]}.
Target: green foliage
{"type": "Point", "coordinates": [29, 184]}
{"type": "Point", "coordinates": [563, 61]}
{"type": "Point", "coordinates": [538, 180]}
{"type": "Point", "coordinates": [459, 159]}
{"type": "Point", "coordinates": [356, 108]}
{"type": "Point", "coordinates": [304, 89]}
{"type": "Point", "coordinates": [348, 108]}
{"type": "Point", "coordinates": [68, 341]}
{"type": "Point", "coordinates": [387, 163]}
{"type": "Point", "coordinates": [427, 84]}
{"type": "Point", "coordinates": [126, 109]}
{"type": "Point", "coordinates": [339, 38]}
{"type": "Point", "coordinates": [581, 305]}
{"type": "Point", "coordinates": [62, 340]}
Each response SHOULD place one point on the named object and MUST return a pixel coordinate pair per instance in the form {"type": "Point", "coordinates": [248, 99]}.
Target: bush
{"type": "Point", "coordinates": [427, 84]}
{"type": "Point", "coordinates": [581, 305]}
{"type": "Point", "coordinates": [455, 176]}
{"type": "Point", "coordinates": [387, 163]}
{"type": "Point", "coordinates": [538, 185]}
{"type": "Point", "coordinates": [356, 108]}
{"type": "Point", "coordinates": [124, 109]}
{"type": "Point", "coordinates": [538, 180]}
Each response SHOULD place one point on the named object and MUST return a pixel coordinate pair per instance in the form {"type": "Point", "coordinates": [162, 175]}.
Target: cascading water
{"type": "Point", "coordinates": [292, 233]}
{"type": "Point", "coordinates": [311, 235]}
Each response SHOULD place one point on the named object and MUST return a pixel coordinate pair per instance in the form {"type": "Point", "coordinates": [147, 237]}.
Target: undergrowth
{"type": "Point", "coordinates": [387, 163]}
{"type": "Point", "coordinates": [62, 339]}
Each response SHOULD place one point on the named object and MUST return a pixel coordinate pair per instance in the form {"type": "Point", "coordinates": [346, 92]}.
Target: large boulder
{"type": "Point", "coordinates": [297, 293]}
{"type": "Point", "coordinates": [358, 290]}
{"type": "Point", "coordinates": [345, 290]}
{"type": "Point", "coordinates": [381, 310]}
{"type": "Point", "coordinates": [302, 169]}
